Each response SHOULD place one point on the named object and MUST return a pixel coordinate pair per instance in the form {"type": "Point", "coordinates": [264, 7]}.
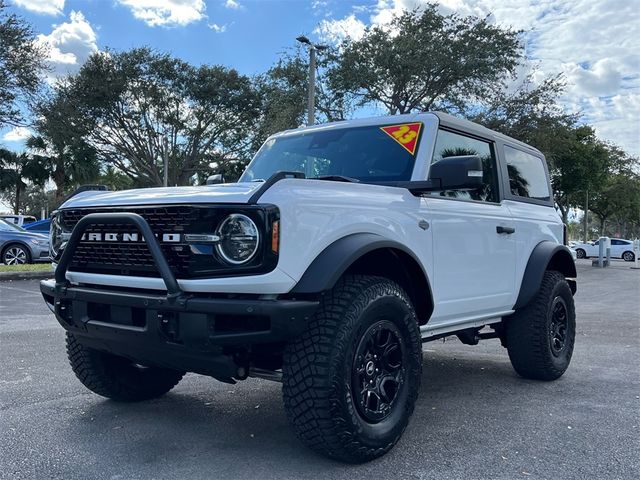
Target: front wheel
{"type": "Point", "coordinates": [16, 254]}
{"type": "Point", "coordinates": [350, 381]}
{"type": "Point", "coordinates": [116, 377]}
{"type": "Point", "coordinates": [541, 336]}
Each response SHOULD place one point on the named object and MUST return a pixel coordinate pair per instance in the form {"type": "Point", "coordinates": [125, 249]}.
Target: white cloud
{"type": "Point", "coordinates": [17, 134]}
{"type": "Point", "coordinates": [48, 7]}
{"type": "Point", "coordinates": [334, 31]}
{"type": "Point", "coordinates": [232, 4]}
{"type": "Point", "coordinates": [166, 13]}
{"type": "Point", "coordinates": [217, 28]}
{"type": "Point", "coordinates": [70, 44]}
{"type": "Point", "coordinates": [593, 44]}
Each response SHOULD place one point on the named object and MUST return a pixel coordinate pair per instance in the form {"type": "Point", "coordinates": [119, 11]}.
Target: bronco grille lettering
{"type": "Point", "coordinates": [128, 237]}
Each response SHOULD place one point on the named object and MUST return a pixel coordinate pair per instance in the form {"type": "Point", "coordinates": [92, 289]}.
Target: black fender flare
{"type": "Point", "coordinates": [547, 255]}
{"type": "Point", "coordinates": [325, 270]}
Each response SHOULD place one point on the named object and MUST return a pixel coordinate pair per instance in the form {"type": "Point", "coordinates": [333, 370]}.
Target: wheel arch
{"type": "Point", "coordinates": [547, 255]}
{"type": "Point", "coordinates": [370, 254]}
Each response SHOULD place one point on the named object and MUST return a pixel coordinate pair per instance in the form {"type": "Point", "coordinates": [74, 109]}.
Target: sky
{"type": "Point", "coordinates": [595, 44]}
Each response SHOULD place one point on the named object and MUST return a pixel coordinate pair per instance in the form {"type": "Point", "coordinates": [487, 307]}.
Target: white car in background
{"type": "Point", "coordinates": [619, 249]}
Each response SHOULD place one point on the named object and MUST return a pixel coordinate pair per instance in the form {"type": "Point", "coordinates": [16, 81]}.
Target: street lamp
{"type": "Point", "coordinates": [312, 76]}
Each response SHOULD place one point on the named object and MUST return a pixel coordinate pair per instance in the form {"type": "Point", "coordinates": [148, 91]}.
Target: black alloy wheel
{"type": "Point", "coordinates": [378, 371]}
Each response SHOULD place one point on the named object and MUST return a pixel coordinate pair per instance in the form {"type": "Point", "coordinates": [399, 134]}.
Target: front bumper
{"type": "Point", "coordinates": [179, 330]}
{"type": "Point", "coordinates": [188, 333]}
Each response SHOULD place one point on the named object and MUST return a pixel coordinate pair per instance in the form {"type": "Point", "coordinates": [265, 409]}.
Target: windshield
{"type": "Point", "coordinates": [9, 227]}
{"type": "Point", "coordinates": [369, 154]}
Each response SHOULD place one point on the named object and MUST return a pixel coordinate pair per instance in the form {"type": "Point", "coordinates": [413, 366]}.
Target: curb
{"type": "Point", "coordinates": [11, 276]}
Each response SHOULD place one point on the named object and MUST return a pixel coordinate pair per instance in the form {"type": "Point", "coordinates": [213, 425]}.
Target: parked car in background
{"type": "Point", "coordinates": [620, 248]}
{"type": "Point", "coordinates": [19, 246]}
{"type": "Point", "coordinates": [41, 226]}
{"type": "Point", "coordinates": [20, 220]}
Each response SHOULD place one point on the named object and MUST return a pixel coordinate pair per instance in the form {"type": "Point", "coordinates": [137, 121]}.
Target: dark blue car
{"type": "Point", "coordinates": [41, 226]}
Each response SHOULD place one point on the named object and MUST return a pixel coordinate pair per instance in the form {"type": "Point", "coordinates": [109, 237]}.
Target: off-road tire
{"type": "Point", "coordinates": [319, 366]}
{"type": "Point", "coordinates": [530, 336]}
{"type": "Point", "coordinates": [116, 377]}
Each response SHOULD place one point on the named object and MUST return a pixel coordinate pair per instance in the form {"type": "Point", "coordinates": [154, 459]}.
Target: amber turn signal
{"type": "Point", "coordinates": [275, 236]}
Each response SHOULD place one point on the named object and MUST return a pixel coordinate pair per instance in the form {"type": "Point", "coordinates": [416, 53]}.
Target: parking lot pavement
{"type": "Point", "coordinates": [474, 419]}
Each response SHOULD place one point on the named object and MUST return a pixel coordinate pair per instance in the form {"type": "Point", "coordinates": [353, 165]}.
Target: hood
{"type": "Point", "coordinates": [221, 193]}
{"type": "Point", "coordinates": [25, 235]}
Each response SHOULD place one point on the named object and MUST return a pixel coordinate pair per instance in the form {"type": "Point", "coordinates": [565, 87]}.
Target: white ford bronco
{"type": "Point", "coordinates": [342, 248]}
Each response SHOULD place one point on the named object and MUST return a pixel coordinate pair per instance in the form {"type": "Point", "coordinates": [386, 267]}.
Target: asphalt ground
{"type": "Point", "coordinates": [475, 418]}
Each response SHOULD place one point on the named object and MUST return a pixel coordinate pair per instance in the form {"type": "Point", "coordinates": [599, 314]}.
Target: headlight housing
{"type": "Point", "coordinates": [239, 239]}
{"type": "Point", "coordinates": [57, 236]}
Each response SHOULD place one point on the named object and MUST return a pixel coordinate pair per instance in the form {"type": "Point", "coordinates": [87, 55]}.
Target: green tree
{"type": "Point", "coordinates": [22, 61]}
{"type": "Point", "coordinates": [138, 106]}
{"type": "Point", "coordinates": [17, 171]}
{"type": "Point", "coordinates": [60, 140]}
{"type": "Point", "coordinates": [424, 58]}
{"type": "Point", "coordinates": [283, 94]}
{"type": "Point", "coordinates": [619, 200]}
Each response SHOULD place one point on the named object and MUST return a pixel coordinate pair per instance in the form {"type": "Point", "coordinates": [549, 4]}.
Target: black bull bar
{"type": "Point", "coordinates": [178, 329]}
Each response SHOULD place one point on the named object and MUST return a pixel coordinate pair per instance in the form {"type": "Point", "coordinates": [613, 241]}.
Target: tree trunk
{"type": "Point", "coordinates": [16, 205]}
{"type": "Point", "coordinates": [60, 179]}
{"type": "Point", "coordinates": [586, 217]}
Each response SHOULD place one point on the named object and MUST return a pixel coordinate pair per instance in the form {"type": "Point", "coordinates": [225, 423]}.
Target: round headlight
{"type": "Point", "coordinates": [239, 239]}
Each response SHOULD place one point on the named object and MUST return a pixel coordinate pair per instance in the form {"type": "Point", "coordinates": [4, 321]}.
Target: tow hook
{"type": "Point", "coordinates": [169, 326]}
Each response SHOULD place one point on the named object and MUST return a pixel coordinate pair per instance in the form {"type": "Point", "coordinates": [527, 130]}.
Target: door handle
{"type": "Point", "coordinates": [507, 230]}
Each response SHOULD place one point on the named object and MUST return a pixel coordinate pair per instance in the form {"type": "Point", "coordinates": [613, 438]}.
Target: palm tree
{"type": "Point", "coordinates": [16, 169]}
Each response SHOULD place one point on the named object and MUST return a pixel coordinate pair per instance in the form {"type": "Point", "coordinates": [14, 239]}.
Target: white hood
{"type": "Point", "coordinates": [221, 193]}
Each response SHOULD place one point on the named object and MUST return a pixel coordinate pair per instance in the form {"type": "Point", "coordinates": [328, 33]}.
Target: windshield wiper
{"type": "Point", "coordinates": [337, 178]}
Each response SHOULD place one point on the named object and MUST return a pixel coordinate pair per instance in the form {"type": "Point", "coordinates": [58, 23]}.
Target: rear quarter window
{"type": "Point", "coordinates": [527, 177]}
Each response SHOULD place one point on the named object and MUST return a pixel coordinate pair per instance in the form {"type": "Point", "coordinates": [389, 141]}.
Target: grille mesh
{"type": "Point", "coordinates": [122, 258]}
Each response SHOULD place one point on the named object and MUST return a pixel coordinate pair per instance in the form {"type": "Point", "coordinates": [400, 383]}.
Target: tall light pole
{"type": "Point", "coordinates": [165, 160]}
{"type": "Point", "coordinates": [311, 101]}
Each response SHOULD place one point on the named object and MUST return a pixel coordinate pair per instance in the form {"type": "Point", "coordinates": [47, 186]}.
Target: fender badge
{"type": "Point", "coordinates": [423, 224]}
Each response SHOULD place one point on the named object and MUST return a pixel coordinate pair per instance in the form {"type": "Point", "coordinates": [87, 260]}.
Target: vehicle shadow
{"type": "Point", "coordinates": [241, 431]}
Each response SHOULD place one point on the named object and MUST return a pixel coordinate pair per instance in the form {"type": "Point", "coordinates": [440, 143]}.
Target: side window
{"type": "Point", "coordinates": [449, 144]}
{"type": "Point", "coordinates": [527, 177]}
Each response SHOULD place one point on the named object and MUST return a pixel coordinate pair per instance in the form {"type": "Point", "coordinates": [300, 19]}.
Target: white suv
{"type": "Point", "coordinates": [341, 249]}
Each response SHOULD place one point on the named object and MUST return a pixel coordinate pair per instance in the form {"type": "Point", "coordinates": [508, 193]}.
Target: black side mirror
{"type": "Point", "coordinates": [215, 179]}
{"type": "Point", "coordinates": [457, 173]}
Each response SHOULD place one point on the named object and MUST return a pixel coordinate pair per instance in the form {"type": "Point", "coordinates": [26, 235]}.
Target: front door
{"type": "Point", "coordinates": [474, 253]}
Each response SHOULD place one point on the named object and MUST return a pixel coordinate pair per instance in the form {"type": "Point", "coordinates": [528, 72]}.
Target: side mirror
{"type": "Point", "coordinates": [457, 173]}
{"type": "Point", "coordinates": [215, 179]}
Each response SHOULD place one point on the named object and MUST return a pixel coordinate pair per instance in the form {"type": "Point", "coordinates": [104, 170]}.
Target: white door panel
{"type": "Point", "coordinates": [474, 266]}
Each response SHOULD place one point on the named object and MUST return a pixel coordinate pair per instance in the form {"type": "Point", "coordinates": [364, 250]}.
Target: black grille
{"type": "Point", "coordinates": [186, 260]}
{"type": "Point", "coordinates": [133, 258]}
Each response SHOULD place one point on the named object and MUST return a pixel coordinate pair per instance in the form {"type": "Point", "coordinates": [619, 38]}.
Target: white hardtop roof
{"type": "Point", "coordinates": [444, 119]}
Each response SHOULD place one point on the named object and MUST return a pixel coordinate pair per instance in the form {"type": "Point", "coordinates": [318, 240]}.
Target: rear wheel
{"type": "Point", "coordinates": [350, 381]}
{"type": "Point", "coordinates": [16, 254]}
{"type": "Point", "coordinates": [540, 336]}
{"type": "Point", "coordinates": [116, 377]}
{"type": "Point", "coordinates": [628, 256]}
{"type": "Point", "coordinates": [580, 253]}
